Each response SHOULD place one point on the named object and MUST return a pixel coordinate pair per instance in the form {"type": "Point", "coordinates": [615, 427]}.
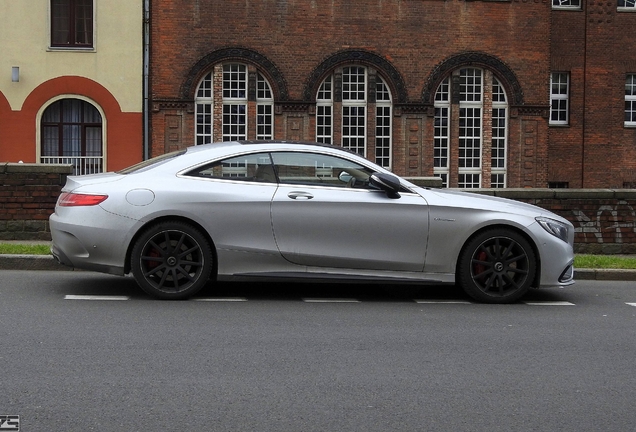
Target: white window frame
{"type": "Point", "coordinates": [38, 134]}
{"type": "Point", "coordinates": [236, 99]}
{"type": "Point", "coordinates": [630, 99]}
{"type": "Point", "coordinates": [264, 109]}
{"type": "Point", "coordinates": [354, 102]}
{"type": "Point", "coordinates": [500, 103]}
{"type": "Point", "coordinates": [324, 112]}
{"type": "Point", "coordinates": [566, 4]}
{"type": "Point", "coordinates": [235, 80]}
{"type": "Point", "coordinates": [204, 109]}
{"type": "Point", "coordinates": [471, 100]}
{"type": "Point", "coordinates": [627, 5]}
{"type": "Point", "coordinates": [355, 114]}
{"type": "Point", "coordinates": [441, 132]}
{"type": "Point", "coordinates": [383, 125]}
{"type": "Point", "coordinates": [560, 97]}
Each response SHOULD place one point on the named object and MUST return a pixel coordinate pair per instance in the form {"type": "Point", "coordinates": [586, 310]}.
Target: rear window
{"type": "Point", "coordinates": [147, 164]}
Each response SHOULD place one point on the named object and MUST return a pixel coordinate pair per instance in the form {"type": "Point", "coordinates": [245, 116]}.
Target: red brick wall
{"type": "Point", "coordinates": [28, 195]}
{"type": "Point", "coordinates": [414, 36]}
{"type": "Point", "coordinates": [595, 149]}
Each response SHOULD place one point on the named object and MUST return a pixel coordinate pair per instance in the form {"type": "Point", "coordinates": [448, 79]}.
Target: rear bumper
{"type": "Point", "coordinates": [87, 245]}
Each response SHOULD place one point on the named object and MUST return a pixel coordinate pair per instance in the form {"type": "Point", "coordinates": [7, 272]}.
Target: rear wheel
{"type": "Point", "coordinates": [172, 260]}
{"type": "Point", "coordinates": [497, 266]}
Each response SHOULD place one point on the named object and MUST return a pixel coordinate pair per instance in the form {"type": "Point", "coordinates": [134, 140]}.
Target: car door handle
{"type": "Point", "coordinates": [300, 195]}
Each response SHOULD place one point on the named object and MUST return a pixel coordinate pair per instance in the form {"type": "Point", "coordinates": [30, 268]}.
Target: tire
{"type": "Point", "coordinates": [497, 266]}
{"type": "Point", "coordinates": [172, 260]}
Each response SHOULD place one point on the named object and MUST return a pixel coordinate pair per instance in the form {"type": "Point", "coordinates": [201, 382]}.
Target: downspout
{"type": "Point", "coordinates": [584, 101]}
{"type": "Point", "coordinates": [146, 89]}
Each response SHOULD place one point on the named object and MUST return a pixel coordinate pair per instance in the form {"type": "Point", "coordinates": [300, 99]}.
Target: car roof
{"type": "Point", "coordinates": [264, 143]}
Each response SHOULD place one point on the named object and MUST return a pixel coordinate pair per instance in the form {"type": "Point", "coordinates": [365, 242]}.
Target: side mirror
{"type": "Point", "coordinates": [344, 177]}
{"type": "Point", "coordinates": [386, 182]}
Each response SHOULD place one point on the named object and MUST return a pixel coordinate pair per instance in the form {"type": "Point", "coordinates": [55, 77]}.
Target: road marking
{"type": "Point", "coordinates": [317, 300]}
{"type": "Point", "coordinates": [442, 302]}
{"type": "Point", "coordinates": [549, 303]}
{"type": "Point", "coordinates": [220, 299]}
{"type": "Point", "coordinates": [92, 297]}
{"type": "Point", "coordinates": [631, 304]}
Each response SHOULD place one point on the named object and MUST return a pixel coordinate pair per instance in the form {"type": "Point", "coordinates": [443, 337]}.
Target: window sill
{"type": "Point", "coordinates": [567, 8]}
{"type": "Point", "coordinates": [71, 49]}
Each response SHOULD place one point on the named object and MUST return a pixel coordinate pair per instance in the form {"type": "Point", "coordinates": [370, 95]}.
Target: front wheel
{"type": "Point", "coordinates": [172, 260]}
{"type": "Point", "coordinates": [497, 266]}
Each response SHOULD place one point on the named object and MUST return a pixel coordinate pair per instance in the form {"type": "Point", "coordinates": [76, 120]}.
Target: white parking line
{"type": "Point", "coordinates": [319, 300]}
{"type": "Point", "coordinates": [442, 302]}
{"type": "Point", "coordinates": [631, 304]}
{"type": "Point", "coordinates": [92, 297]}
{"type": "Point", "coordinates": [220, 299]}
{"type": "Point", "coordinates": [549, 303]}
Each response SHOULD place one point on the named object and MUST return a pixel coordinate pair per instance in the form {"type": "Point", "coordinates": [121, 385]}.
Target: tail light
{"type": "Point", "coordinates": [69, 199]}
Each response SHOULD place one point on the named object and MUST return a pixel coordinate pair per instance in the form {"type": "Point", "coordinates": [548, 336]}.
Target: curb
{"type": "Point", "coordinates": [31, 262]}
{"type": "Point", "coordinates": [47, 262]}
{"type": "Point", "coordinates": [605, 274]}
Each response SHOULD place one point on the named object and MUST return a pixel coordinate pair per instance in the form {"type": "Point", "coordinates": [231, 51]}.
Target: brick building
{"type": "Point", "coordinates": [521, 93]}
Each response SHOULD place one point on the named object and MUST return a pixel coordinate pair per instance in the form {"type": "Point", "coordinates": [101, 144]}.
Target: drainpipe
{"type": "Point", "coordinates": [583, 121]}
{"type": "Point", "coordinates": [146, 89]}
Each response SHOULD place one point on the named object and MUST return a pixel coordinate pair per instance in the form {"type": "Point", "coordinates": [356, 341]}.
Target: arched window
{"type": "Point", "coordinates": [465, 128]}
{"type": "Point", "coordinates": [364, 113]}
{"type": "Point", "coordinates": [230, 106]}
{"type": "Point", "coordinates": [71, 133]}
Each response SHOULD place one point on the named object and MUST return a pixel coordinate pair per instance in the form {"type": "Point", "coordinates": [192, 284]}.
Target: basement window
{"type": "Point", "coordinates": [558, 185]}
{"type": "Point", "coordinates": [566, 4]}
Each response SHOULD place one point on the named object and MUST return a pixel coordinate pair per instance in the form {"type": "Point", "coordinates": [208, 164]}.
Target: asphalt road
{"type": "Point", "coordinates": [82, 351]}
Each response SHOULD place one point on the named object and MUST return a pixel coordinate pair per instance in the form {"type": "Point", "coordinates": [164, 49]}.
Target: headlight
{"type": "Point", "coordinates": [554, 227]}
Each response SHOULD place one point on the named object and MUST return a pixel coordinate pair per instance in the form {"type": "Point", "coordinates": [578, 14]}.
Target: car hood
{"type": "Point", "coordinates": [458, 199]}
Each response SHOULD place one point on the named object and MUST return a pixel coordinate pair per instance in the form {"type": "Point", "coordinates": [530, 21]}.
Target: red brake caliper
{"type": "Point", "coordinates": [480, 268]}
{"type": "Point", "coordinates": [155, 254]}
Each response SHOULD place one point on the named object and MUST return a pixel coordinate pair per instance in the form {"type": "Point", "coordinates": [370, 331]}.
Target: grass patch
{"type": "Point", "coordinates": [604, 262]}
{"type": "Point", "coordinates": [24, 249]}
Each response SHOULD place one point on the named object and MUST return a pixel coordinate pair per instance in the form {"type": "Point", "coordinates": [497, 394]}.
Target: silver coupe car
{"type": "Point", "coordinates": [297, 211]}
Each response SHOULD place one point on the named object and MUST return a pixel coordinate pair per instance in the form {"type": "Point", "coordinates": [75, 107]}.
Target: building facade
{"type": "Point", "coordinates": [71, 83]}
{"type": "Point", "coordinates": [517, 93]}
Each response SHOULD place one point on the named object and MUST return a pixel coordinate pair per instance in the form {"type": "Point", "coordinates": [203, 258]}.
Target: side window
{"type": "Point", "coordinates": [316, 169]}
{"type": "Point", "coordinates": [251, 167]}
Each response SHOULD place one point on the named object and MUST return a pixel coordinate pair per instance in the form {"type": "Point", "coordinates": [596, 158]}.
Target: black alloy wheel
{"type": "Point", "coordinates": [497, 266]}
{"type": "Point", "coordinates": [172, 260]}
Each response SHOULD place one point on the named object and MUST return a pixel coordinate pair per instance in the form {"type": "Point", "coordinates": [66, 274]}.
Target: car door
{"type": "Point", "coordinates": [233, 196]}
{"type": "Point", "coordinates": [325, 214]}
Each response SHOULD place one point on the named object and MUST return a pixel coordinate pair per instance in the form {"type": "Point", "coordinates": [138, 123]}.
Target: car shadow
{"type": "Point", "coordinates": [95, 284]}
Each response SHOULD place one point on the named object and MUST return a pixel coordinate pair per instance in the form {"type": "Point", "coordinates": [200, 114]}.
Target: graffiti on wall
{"type": "Point", "coordinates": [609, 222]}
